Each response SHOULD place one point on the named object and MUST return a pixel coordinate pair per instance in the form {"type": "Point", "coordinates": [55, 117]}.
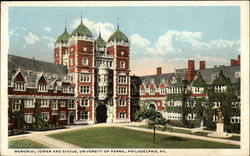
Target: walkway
{"type": "Point", "coordinates": [41, 137]}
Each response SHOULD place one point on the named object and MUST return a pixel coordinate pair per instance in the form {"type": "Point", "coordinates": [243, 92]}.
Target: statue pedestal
{"type": "Point", "coordinates": [219, 131]}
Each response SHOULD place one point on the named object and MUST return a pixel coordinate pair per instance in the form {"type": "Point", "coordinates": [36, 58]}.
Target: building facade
{"type": "Point", "coordinates": [90, 82]}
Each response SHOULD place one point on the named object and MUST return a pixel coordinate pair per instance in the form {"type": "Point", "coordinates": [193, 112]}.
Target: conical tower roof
{"type": "Point", "coordinates": [63, 38]}
{"type": "Point", "coordinates": [99, 42]}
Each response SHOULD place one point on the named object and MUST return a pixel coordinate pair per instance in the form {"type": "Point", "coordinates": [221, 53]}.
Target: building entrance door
{"type": "Point", "coordinates": [71, 118]}
{"type": "Point", "coordinates": [101, 114]}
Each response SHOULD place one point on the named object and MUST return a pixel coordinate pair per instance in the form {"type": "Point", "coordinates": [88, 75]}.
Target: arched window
{"type": "Point", "coordinates": [85, 61]}
{"type": "Point", "coordinates": [122, 64]}
{"type": "Point", "coordinates": [122, 115]}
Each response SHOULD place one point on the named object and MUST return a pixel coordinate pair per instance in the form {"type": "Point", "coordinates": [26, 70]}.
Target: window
{"type": "Point", "coordinates": [44, 103]}
{"type": "Point", "coordinates": [63, 103]}
{"type": "Point", "coordinates": [163, 90]}
{"type": "Point", "coordinates": [84, 102]}
{"type": "Point", "coordinates": [72, 49]}
{"type": "Point", "coordinates": [122, 115]}
{"type": "Point", "coordinates": [235, 119]}
{"type": "Point", "coordinates": [85, 61]}
{"type": "Point", "coordinates": [235, 104]}
{"type": "Point", "coordinates": [62, 115]}
{"type": "Point", "coordinates": [142, 91]}
{"type": "Point", "coordinates": [122, 103]}
{"type": "Point", "coordinates": [29, 103]}
{"type": "Point", "coordinates": [85, 77]}
{"type": "Point", "coordinates": [103, 89]}
{"type": "Point", "coordinates": [29, 118]}
{"type": "Point", "coordinates": [122, 64]}
{"type": "Point", "coordinates": [71, 89]}
{"type": "Point", "coordinates": [217, 104]}
{"type": "Point", "coordinates": [215, 118]}
{"type": "Point", "coordinates": [220, 88]}
{"type": "Point", "coordinates": [237, 74]}
{"type": "Point", "coordinates": [42, 88]}
{"type": "Point", "coordinates": [54, 76]}
{"type": "Point", "coordinates": [122, 53]}
{"type": "Point", "coordinates": [71, 61]}
{"type": "Point", "coordinates": [84, 49]}
{"type": "Point", "coordinates": [30, 74]}
{"type": "Point", "coordinates": [122, 90]}
{"type": "Point", "coordinates": [152, 90]}
{"type": "Point", "coordinates": [84, 89]}
{"type": "Point", "coordinates": [54, 104]}
{"type": "Point", "coordinates": [16, 105]}
{"type": "Point", "coordinates": [19, 86]}
{"type": "Point", "coordinates": [45, 116]}
{"type": "Point", "coordinates": [122, 79]}
{"type": "Point", "coordinates": [197, 89]}
{"type": "Point", "coordinates": [103, 78]}
{"type": "Point", "coordinates": [214, 76]}
{"type": "Point", "coordinates": [84, 115]}
{"type": "Point", "coordinates": [71, 104]}
{"type": "Point", "coordinates": [191, 116]}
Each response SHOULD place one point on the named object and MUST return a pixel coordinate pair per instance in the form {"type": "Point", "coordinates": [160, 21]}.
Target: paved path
{"type": "Point", "coordinates": [41, 137]}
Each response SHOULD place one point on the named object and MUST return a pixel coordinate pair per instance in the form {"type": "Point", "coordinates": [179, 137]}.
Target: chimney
{"type": "Point", "coordinates": [238, 61]}
{"type": "Point", "coordinates": [202, 65]}
{"type": "Point", "coordinates": [191, 70]}
{"type": "Point", "coordinates": [234, 62]}
{"type": "Point", "coordinates": [158, 72]}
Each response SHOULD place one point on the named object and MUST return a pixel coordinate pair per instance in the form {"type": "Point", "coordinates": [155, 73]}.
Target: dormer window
{"type": "Point", "coordinates": [214, 76]}
{"type": "Point", "coordinates": [152, 91]}
{"type": "Point", "coordinates": [85, 61]}
{"type": "Point", "coordinates": [30, 74]}
{"type": "Point", "coordinates": [42, 88]}
{"type": "Point", "coordinates": [237, 74]}
{"type": "Point", "coordinates": [122, 64]}
{"type": "Point", "coordinates": [18, 86]}
{"type": "Point", "coordinates": [197, 89]}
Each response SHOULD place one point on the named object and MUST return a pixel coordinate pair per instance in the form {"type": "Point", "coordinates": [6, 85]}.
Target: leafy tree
{"type": "Point", "coordinates": [154, 118]}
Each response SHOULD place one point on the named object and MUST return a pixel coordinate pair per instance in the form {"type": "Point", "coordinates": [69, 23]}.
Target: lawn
{"type": "Point", "coordinates": [114, 137]}
{"type": "Point", "coordinates": [235, 138]}
{"type": "Point", "coordinates": [25, 143]}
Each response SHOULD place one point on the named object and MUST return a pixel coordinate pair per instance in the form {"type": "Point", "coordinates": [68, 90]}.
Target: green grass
{"type": "Point", "coordinates": [200, 133]}
{"type": "Point", "coordinates": [114, 137]}
{"type": "Point", "coordinates": [25, 143]}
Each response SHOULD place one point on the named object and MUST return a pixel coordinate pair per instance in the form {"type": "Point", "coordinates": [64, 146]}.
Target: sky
{"type": "Point", "coordinates": [164, 36]}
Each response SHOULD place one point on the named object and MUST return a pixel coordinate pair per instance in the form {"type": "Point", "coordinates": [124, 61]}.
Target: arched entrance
{"type": "Point", "coordinates": [151, 106]}
{"type": "Point", "coordinates": [101, 114]}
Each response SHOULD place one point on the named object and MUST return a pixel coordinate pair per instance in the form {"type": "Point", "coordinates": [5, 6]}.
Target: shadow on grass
{"type": "Point", "coordinates": [171, 138]}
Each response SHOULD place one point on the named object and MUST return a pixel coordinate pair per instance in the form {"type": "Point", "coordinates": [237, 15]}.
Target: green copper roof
{"type": "Point", "coordinates": [99, 42]}
{"type": "Point", "coordinates": [63, 38]}
{"type": "Point", "coordinates": [118, 36]}
{"type": "Point", "coordinates": [82, 30]}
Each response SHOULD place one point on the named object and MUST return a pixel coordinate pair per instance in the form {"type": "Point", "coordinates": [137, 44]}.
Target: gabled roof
{"type": "Point", "coordinates": [15, 62]}
{"type": "Point", "coordinates": [228, 71]}
{"type": "Point", "coordinates": [158, 78]}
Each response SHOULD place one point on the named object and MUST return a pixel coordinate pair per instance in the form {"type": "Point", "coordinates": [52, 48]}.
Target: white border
{"type": "Point", "coordinates": [244, 73]}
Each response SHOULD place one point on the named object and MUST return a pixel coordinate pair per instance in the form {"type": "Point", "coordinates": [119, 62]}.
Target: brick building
{"type": "Point", "coordinates": [89, 82]}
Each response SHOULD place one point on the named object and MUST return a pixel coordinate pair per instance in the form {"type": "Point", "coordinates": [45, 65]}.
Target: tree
{"type": "Point", "coordinates": [154, 118]}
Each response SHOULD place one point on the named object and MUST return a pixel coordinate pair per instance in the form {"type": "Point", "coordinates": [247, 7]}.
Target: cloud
{"type": "Point", "coordinates": [105, 28]}
{"type": "Point", "coordinates": [31, 38]}
{"type": "Point", "coordinates": [50, 45]}
{"type": "Point", "coordinates": [48, 29]}
{"type": "Point", "coordinates": [48, 38]}
{"type": "Point", "coordinates": [139, 40]}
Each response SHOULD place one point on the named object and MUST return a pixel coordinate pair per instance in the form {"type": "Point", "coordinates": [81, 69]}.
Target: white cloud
{"type": "Point", "coordinates": [139, 40]}
{"type": "Point", "coordinates": [48, 29]}
{"type": "Point", "coordinates": [24, 29]}
{"type": "Point", "coordinates": [106, 28]}
{"type": "Point", "coordinates": [31, 38]}
{"type": "Point", "coordinates": [48, 38]}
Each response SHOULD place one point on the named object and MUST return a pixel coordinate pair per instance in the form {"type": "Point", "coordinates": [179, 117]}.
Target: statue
{"type": "Point", "coordinates": [220, 117]}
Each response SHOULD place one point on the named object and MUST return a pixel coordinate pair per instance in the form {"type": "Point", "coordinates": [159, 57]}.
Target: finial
{"type": "Point", "coordinates": [65, 25]}
{"type": "Point", "coordinates": [99, 32]}
{"type": "Point", "coordinates": [81, 16]}
{"type": "Point", "coordinates": [117, 22]}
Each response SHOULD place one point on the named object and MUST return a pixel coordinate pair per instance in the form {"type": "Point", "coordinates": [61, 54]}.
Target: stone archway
{"type": "Point", "coordinates": [101, 114]}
